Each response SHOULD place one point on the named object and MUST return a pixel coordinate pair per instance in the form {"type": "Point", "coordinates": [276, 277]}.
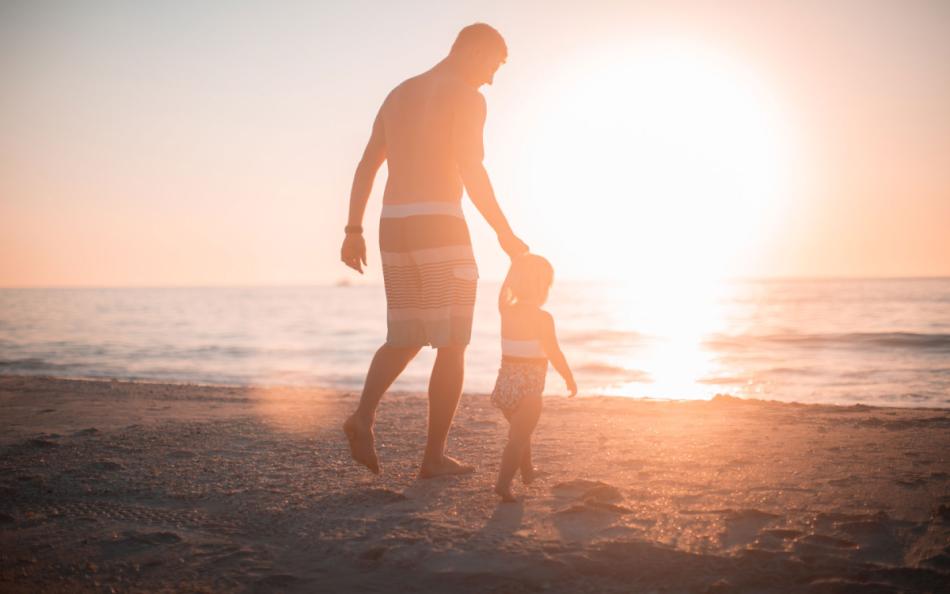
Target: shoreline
{"type": "Point", "coordinates": [150, 486]}
{"type": "Point", "coordinates": [316, 388]}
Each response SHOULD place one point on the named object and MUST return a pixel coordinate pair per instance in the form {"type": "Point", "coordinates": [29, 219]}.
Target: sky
{"type": "Point", "coordinates": [214, 143]}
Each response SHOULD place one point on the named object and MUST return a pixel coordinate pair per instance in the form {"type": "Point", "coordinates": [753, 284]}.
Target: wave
{"type": "Point", "coordinates": [602, 335]}
{"type": "Point", "coordinates": [595, 368]}
{"type": "Point", "coordinates": [33, 364]}
{"type": "Point", "coordinates": [902, 340]}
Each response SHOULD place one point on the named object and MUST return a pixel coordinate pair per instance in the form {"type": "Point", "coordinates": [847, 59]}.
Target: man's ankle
{"type": "Point", "coordinates": [431, 461]}
{"type": "Point", "coordinates": [365, 418]}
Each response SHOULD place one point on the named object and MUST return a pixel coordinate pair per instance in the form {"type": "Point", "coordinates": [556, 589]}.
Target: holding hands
{"type": "Point", "coordinates": [512, 245]}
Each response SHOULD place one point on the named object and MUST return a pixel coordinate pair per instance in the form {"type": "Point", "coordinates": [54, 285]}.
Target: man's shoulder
{"type": "Point", "coordinates": [456, 90]}
{"type": "Point", "coordinates": [436, 88]}
{"type": "Point", "coordinates": [440, 83]}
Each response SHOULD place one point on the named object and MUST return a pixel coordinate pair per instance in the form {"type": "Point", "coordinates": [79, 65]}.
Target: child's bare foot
{"type": "Point", "coordinates": [506, 495]}
{"type": "Point", "coordinates": [528, 474]}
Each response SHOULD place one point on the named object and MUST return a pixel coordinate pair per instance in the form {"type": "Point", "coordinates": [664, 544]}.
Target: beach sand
{"type": "Point", "coordinates": [108, 485]}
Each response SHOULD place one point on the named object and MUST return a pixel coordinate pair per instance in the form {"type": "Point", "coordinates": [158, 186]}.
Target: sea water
{"type": "Point", "coordinates": [845, 341]}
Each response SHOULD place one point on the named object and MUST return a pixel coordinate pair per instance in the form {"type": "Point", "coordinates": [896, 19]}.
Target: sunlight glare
{"type": "Point", "coordinates": [676, 315]}
{"type": "Point", "coordinates": [679, 157]}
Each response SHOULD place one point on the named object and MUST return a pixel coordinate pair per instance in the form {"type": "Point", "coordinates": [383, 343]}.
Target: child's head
{"type": "Point", "coordinates": [529, 280]}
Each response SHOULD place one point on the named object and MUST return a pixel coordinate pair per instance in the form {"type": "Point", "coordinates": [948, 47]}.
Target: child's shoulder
{"type": "Point", "coordinates": [543, 324]}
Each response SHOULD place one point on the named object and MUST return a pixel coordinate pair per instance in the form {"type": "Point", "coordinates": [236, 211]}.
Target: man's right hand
{"type": "Point", "coordinates": [512, 245]}
{"type": "Point", "coordinates": [353, 252]}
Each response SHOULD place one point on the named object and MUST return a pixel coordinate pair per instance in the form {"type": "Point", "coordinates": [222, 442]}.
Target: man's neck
{"type": "Point", "coordinates": [452, 66]}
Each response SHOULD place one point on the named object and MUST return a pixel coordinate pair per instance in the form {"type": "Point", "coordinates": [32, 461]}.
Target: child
{"type": "Point", "coordinates": [528, 342]}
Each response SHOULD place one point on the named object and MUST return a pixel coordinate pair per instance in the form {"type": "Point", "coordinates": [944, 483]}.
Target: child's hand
{"type": "Point", "coordinates": [572, 387]}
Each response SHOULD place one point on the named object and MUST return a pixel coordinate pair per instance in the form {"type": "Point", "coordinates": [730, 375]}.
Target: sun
{"type": "Point", "coordinates": [668, 157]}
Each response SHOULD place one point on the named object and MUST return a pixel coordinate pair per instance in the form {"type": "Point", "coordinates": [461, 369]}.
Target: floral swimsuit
{"type": "Point", "coordinates": [523, 368]}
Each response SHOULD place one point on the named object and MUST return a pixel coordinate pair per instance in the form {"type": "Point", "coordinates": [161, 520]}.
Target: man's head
{"type": "Point", "coordinates": [479, 50]}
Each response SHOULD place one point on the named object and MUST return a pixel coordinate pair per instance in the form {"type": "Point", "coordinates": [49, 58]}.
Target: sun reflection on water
{"type": "Point", "coordinates": [675, 316]}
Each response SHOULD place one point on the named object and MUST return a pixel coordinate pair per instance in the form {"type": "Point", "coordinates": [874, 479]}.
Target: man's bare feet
{"type": "Point", "coordinates": [446, 466]}
{"type": "Point", "coordinates": [362, 448]}
{"type": "Point", "coordinates": [506, 495]}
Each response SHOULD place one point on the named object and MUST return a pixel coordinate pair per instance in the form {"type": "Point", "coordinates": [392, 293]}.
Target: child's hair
{"type": "Point", "coordinates": [528, 281]}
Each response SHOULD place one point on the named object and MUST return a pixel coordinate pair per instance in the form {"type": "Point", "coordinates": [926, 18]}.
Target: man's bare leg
{"type": "Point", "coordinates": [388, 363]}
{"type": "Point", "coordinates": [445, 389]}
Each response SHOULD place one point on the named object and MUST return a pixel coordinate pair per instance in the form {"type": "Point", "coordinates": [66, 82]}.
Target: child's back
{"type": "Point", "coordinates": [528, 342]}
{"type": "Point", "coordinates": [521, 331]}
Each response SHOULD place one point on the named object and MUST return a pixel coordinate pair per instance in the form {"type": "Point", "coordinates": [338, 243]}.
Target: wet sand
{"type": "Point", "coordinates": [140, 487]}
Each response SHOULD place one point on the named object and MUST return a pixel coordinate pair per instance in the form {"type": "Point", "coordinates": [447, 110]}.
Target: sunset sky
{"type": "Point", "coordinates": [213, 143]}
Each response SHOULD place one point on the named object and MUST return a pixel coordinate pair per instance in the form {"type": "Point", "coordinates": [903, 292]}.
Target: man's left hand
{"type": "Point", "coordinates": [513, 246]}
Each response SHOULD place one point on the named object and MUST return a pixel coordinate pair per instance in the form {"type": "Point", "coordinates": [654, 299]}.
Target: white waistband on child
{"type": "Point", "coordinates": [522, 348]}
{"type": "Point", "coordinates": [411, 209]}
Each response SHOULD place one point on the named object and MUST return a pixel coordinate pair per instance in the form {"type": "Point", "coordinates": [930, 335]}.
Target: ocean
{"type": "Point", "coordinates": [840, 341]}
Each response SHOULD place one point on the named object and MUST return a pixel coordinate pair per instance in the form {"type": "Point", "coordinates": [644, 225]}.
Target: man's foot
{"type": "Point", "coordinates": [446, 466]}
{"type": "Point", "coordinates": [362, 448]}
{"type": "Point", "coordinates": [506, 495]}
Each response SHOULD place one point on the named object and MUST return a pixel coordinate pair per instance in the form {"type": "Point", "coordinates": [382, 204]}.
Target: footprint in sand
{"type": "Point", "coordinates": [43, 442]}
{"type": "Point", "coordinates": [134, 540]}
{"type": "Point", "coordinates": [827, 542]}
{"type": "Point", "coordinates": [782, 533]}
{"type": "Point", "coordinates": [374, 497]}
{"type": "Point", "coordinates": [582, 523]}
{"type": "Point", "coordinates": [941, 514]}
{"type": "Point", "coordinates": [595, 508]}
{"type": "Point", "coordinates": [743, 526]}
{"type": "Point", "coordinates": [106, 466]}
{"type": "Point", "coordinates": [586, 489]}
{"type": "Point", "coordinates": [882, 539]}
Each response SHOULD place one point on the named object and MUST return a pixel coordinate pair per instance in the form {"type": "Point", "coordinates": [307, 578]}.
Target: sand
{"type": "Point", "coordinates": [135, 487]}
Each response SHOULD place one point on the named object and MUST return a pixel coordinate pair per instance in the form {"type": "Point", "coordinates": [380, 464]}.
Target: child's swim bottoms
{"type": "Point", "coordinates": [517, 380]}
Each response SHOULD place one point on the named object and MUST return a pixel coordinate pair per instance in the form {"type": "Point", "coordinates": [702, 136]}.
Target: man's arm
{"type": "Point", "coordinates": [353, 252]}
{"type": "Point", "coordinates": [469, 154]}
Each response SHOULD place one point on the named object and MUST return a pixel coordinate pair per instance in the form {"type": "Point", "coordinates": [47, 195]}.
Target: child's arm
{"type": "Point", "coordinates": [553, 350]}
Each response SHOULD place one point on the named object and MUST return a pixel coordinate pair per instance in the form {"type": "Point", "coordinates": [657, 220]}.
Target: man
{"type": "Point", "coordinates": [429, 128]}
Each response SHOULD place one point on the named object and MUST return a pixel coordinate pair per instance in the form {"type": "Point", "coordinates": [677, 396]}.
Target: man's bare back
{"type": "Point", "coordinates": [429, 122]}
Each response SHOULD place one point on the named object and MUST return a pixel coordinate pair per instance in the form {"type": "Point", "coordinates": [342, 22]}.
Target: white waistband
{"type": "Point", "coordinates": [522, 348]}
{"type": "Point", "coordinates": [397, 211]}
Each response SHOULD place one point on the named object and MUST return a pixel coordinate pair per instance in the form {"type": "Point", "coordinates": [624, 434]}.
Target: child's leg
{"type": "Point", "coordinates": [527, 465]}
{"type": "Point", "coordinates": [527, 468]}
{"type": "Point", "coordinates": [522, 422]}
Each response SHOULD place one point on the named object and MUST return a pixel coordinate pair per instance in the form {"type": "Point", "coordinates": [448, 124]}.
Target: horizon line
{"type": "Point", "coordinates": [346, 283]}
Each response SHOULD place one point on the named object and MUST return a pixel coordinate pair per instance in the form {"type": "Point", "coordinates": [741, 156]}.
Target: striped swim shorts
{"type": "Point", "coordinates": [430, 274]}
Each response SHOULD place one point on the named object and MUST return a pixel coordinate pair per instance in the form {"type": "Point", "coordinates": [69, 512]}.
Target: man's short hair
{"type": "Point", "coordinates": [479, 35]}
